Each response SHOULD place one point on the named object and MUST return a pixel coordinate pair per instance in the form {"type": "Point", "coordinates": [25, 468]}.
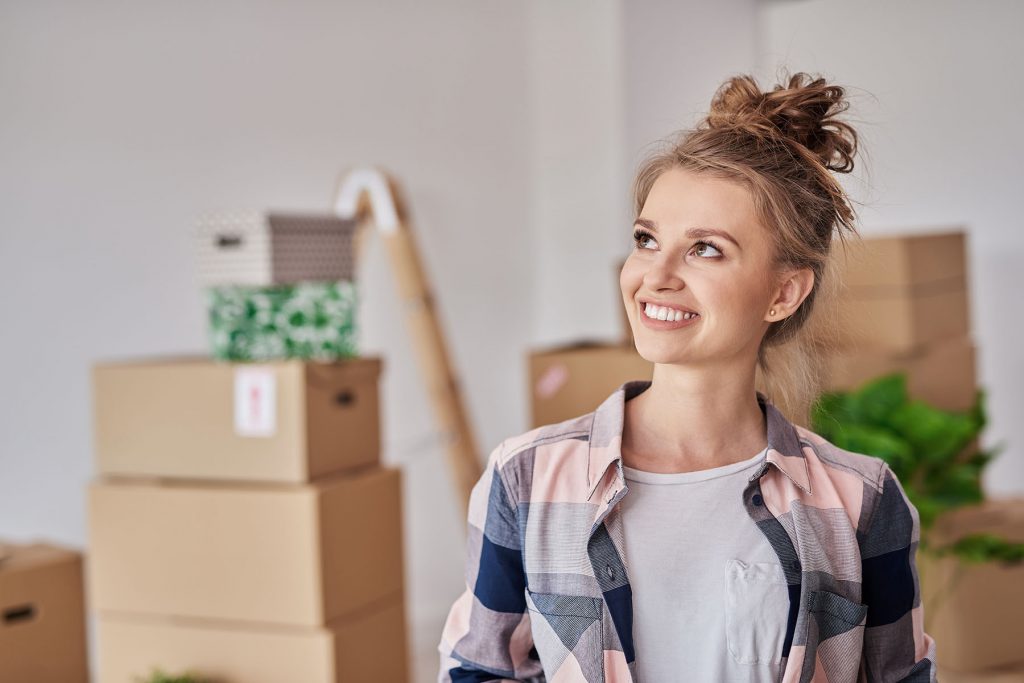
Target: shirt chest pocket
{"type": "Point", "coordinates": [562, 623]}
{"type": "Point", "coordinates": [756, 608]}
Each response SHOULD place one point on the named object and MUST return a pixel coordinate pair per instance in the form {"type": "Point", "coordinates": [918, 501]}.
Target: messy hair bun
{"type": "Point", "coordinates": [803, 111]}
{"type": "Point", "coordinates": [785, 145]}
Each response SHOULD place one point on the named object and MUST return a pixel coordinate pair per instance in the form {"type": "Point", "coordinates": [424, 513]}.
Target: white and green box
{"type": "Point", "coordinates": [307, 320]}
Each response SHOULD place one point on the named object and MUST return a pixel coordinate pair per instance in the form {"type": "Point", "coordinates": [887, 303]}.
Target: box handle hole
{"type": "Point", "coordinates": [229, 241]}
{"type": "Point", "coordinates": [19, 614]}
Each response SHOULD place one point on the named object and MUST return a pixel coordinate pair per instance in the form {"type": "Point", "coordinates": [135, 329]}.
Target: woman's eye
{"type": "Point", "coordinates": [702, 243]}
{"type": "Point", "coordinates": [640, 235]}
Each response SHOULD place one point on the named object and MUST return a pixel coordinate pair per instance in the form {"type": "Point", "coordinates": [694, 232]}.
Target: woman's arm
{"type": "Point", "coordinates": [896, 647]}
{"type": "Point", "coordinates": [487, 634]}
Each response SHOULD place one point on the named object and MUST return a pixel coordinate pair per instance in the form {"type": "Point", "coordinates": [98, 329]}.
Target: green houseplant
{"type": "Point", "coordinates": [927, 449]}
{"type": "Point", "coordinates": [159, 676]}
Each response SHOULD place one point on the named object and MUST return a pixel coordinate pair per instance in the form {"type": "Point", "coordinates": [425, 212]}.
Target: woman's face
{"type": "Point", "coordinates": [723, 274]}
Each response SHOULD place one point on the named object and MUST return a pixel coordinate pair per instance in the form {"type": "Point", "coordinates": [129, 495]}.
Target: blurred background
{"type": "Point", "coordinates": [513, 128]}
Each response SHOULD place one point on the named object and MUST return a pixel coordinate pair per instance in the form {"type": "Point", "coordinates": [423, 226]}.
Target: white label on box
{"type": "Point", "coordinates": [255, 401]}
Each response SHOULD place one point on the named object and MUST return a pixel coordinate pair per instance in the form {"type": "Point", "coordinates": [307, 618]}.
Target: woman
{"type": "Point", "coordinates": [748, 548]}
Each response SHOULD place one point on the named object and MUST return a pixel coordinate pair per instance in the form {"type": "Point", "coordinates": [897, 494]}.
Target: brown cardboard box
{"type": "Point", "coordinates": [976, 626]}
{"type": "Point", "coordinates": [299, 554]}
{"type": "Point", "coordinates": [370, 645]}
{"type": "Point", "coordinates": [42, 627]}
{"type": "Point", "coordinates": [568, 381]}
{"type": "Point", "coordinates": [941, 373]}
{"type": "Point", "coordinates": [1000, 675]}
{"type": "Point", "coordinates": [283, 421]}
{"type": "Point", "coordinates": [900, 292]}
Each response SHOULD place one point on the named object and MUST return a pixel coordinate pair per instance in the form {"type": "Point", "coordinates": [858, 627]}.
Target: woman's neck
{"type": "Point", "coordinates": [667, 430]}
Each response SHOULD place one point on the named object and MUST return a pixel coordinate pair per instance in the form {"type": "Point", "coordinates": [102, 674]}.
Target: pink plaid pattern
{"type": "Point", "coordinates": [547, 594]}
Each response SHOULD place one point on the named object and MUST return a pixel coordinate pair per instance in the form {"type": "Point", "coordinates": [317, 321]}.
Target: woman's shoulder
{"type": "Point", "coordinates": [572, 431]}
{"type": "Point", "coordinates": [552, 452]}
{"type": "Point", "coordinates": [870, 468]}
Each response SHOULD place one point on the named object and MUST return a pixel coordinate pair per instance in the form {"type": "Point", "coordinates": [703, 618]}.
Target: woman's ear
{"type": "Point", "coordinates": [792, 289]}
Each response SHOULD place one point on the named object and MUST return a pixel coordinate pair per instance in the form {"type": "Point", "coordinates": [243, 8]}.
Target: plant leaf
{"type": "Point", "coordinates": [877, 399]}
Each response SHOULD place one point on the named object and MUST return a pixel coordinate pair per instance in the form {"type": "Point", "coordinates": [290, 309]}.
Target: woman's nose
{"type": "Point", "coordinates": [662, 274]}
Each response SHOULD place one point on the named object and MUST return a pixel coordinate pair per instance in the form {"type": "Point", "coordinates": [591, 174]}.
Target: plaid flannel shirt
{"type": "Point", "coordinates": [548, 597]}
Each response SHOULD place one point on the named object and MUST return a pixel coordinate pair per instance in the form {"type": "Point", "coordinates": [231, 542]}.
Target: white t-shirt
{"type": "Point", "coordinates": [710, 600]}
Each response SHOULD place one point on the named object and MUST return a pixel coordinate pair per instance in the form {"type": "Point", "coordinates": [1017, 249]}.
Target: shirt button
{"type": "Point", "coordinates": [758, 500]}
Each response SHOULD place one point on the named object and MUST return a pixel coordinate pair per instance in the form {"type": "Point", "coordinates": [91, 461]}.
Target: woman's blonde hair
{"type": "Point", "coordinates": [784, 146]}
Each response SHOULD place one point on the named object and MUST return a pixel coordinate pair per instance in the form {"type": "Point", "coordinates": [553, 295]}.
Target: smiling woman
{"type": "Point", "coordinates": [686, 529]}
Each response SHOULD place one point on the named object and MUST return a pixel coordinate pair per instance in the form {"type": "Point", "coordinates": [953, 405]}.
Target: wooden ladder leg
{"type": "Point", "coordinates": [372, 198]}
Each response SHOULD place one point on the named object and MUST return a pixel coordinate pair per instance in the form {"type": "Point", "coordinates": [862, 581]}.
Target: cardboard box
{"type": "Point", "coordinates": [42, 615]}
{"type": "Point", "coordinates": [371, 645]}
{"type": "Point", "coordinates": [941, 373]}
{"type": "Point", "coordinates": [899, 292]}
{"type": "Point", "coordinates": [258, 248]}
{"type": "Point", "coordinates": [301, 554]}
{"type": "Point", "coordinates": [1001, 675]}
{"type": "Point", "coordinates": [976, 626]}
{"type": "Point", "coordinates": [285, 421]}
{"type": "Point", "coordinates": [568, 381]}
{"type": "Point", "coordinates": [307, 321]}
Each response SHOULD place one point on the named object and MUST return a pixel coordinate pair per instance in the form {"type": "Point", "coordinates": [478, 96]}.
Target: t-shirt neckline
{"type": "Point", "coordinates": [645, 477]}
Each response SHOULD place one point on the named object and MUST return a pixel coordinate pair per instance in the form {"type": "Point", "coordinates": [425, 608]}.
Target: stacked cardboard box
{"type": "Point", "coordinates": [971, 609]}
{"type": "Point", "coordinates": [42, 614]}
{"type": "Point", "coordinates": [278, 285]}
{"type": "Point", "coordinates": [242, 525]}
{"type": "Point", "coordinates": [903, 306]}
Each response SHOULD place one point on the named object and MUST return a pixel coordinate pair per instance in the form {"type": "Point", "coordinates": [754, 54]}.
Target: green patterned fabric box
{"type": "Point", "coordinates": [307, 320]}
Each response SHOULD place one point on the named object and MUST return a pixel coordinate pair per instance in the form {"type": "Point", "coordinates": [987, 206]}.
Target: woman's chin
{"type": "Point", "coordinates": [655, 353]}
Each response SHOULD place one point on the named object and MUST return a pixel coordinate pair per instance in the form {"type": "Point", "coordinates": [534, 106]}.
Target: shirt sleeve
{"type": "Point", "coordinates": [896, 647]}
{"type": "Point", "coordinates": [487, 635]}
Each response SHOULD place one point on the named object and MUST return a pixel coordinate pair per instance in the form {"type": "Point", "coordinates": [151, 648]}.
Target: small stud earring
{"type": "Point", "coordinates": [771, 312]}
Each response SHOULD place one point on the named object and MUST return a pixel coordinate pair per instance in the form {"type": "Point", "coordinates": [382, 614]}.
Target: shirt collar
{"type": "Point", "coordinates": [784, 450]}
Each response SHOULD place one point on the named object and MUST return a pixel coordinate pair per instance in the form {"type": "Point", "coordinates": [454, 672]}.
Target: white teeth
{"type": "Point", "coordinates": [664, 313]}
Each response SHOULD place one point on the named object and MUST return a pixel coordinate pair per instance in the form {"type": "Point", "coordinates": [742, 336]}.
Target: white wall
{"type": "Point", "coordinates": [936, 86]}
{"type": "Point", "coordinates": [122, 121]}
{"type": "Point", "coordinates": [577, 196]}
{"type": "Point", "coordinates": [677, 54]}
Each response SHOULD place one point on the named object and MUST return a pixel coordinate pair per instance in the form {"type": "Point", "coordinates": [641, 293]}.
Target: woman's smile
{"type": "Point", "coordinates": [655, 323]}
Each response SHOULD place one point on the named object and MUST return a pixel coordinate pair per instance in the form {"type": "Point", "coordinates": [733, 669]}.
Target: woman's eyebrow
{"type": "Point", "coordinates": [692, 232]}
